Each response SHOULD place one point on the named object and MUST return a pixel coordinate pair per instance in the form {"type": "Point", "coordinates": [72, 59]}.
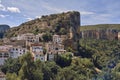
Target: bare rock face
{"type": "Point", "coordinates": [3, 29]}
{"type": "Point", "coordinates": [68, 22]}
{"type": "Point", "coordinates": [103, 31]}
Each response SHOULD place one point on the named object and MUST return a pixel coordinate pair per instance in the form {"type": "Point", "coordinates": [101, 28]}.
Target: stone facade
{"type": "Point", "coordinates": [37, 52]}
{"type": "Point", "coordinates": [55, 47]}
{"type": "Point", "coordinates": [4, 54]}
{"type": "Point", "coordinates": [2, 76]}
{"type": "Point", "coordinates": [17, 51]}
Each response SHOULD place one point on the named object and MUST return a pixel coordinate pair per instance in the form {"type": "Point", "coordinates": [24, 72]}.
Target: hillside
{"type": "Point", "coordinates": [100, 26]}
{"type": "Point", "coordinates": [54, 23]}
{"type": "Point", "coordinates": [3, 29]}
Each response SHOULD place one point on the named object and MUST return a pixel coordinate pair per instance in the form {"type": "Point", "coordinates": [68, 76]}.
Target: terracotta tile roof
{"type": "Point", "coordinates": [16, 42]}
{"type": "Point", "coordinates": [4, 51]}
{"type": "Point", "coordinates": [36, 44]}
{"type": "Point", "coordinates": [39, 53]}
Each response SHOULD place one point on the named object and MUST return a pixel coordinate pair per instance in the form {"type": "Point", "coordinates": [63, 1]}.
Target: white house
{"type": "Point", "coordinates": [57, 39]}
{"type": "Point", "coordinates": [17, 51]}
{"type": "Point", "coordinates": [4, 53]}
{"type": "Point", "coordinates": [39, 37]}
{"type": "Point", "coordinates": [3, 56]}
{"type": "Point", "coordinates": [2, 76]}
{"type": "Point", "coordinates": [37, 52]}
{"type": "Point", "coordinates": [30, 37]}
{"type": "Point", "coordinates": [54, 49]}
{"type": "Point", "coordinates": [5, 47]}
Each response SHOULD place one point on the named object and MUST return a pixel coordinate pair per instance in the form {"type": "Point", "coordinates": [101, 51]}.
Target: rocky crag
{"type": "Point", "coordinates": [104, 31]}
{"type": "Point", "coordinates": [65, 23]}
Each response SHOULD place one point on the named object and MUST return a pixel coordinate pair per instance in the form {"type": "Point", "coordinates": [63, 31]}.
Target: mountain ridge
{"type": "Point", "coordinates": [53, 23]}
{"type": "Point", "coordinates": [3, 29]}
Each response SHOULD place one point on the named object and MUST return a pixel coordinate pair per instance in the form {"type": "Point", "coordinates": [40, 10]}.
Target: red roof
{"type": "Point", "coordinates": [36, 44]}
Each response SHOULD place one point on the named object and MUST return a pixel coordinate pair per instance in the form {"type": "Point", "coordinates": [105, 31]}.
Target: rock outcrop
{"type": "Point", "coordinates": [64, 23]}
{"type": "Point", "coordinates": [104, 31]}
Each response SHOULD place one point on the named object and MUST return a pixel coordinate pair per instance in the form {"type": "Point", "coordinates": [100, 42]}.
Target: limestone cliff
{"type": "Point", "coordinates": [103, 31]}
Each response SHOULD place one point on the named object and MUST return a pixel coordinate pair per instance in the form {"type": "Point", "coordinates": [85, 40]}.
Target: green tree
{"type": "Point", "coordinates": [11, 66]}
{"type": "Point", "coordinates": [64, 60]}
{"type": "Point", "coordinates": [50, 70]}
{"type": "Point", "coordinates": [29, 70]}
{"type": "Point", "coordinates": [12, 76]}
{"type": "Point", "coordinates": [62, 31]}
{"type": "Point", "coordinates": [67, 74]}
{"type": "Point", "coordinates": [47, 37]}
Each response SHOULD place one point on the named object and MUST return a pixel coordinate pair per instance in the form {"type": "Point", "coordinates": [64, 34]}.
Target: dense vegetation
{"type": "Point", "coordinates": [105, 56]}
{"type": "Point", "coordinates": [96, 59]}
{"type": "Point", "coordinates": [64, 68]}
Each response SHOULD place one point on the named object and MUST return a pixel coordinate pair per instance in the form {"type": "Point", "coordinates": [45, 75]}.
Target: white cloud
{"type": "Point", "coordinates": [106, 15]}
{"type": "Point", "coordinates": [0, 1]}
{"type": "Point", "coordinates": [29, 19]}
{"type": "Point", "coordinates": [3, 16]}
{"type": "Point", "coordinates": [10, 9]}
{"type": "Point", "coordinates": [52, 8]}
{"type": "Point", "coordinates": [97, 19]}
{"type": "Point", "coordinates": [86, 13]}
{"type": "Point", "coordinates": [2, 7]}
{"type": "Point", "coordinates": [13, 9]}
{"type": "Point", "coordinates": [38, 17]}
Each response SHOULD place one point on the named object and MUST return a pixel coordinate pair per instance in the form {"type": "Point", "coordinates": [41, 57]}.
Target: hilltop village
{"type": "Point", "coordinates": [20, 45]}
{"type": "Point", "coordinates": [42, 37]}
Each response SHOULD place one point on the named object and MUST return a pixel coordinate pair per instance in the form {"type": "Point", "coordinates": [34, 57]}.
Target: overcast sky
{"type": "Point", "coordinates": [15, 12]}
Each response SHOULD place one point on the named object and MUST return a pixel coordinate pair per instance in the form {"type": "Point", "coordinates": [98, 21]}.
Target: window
{"type": "Point", "coordinates": [24, 51]}
{"type": "Point", "coordinates": [41, 58]}
{"type": "Point", "coordinates": [56, 48]}
{"type": "Point", "coordinates": [11, 53]}
{"type": "Point", "coordinates": [0, 54]}
{"type": "Point", "coordinates": [36, 55]}
{"type": "Point", "coordinates": [6, 55]}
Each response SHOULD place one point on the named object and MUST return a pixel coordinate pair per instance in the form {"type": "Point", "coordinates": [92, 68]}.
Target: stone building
{"type": "Point", "coordinates": [4, 54]}
{"type": "Point", "coordinates": [17, 51]}
{"type": "Point", "coordinates": [38, 52]}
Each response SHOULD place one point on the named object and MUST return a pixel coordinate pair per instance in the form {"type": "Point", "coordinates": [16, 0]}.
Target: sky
{"type": "Point", "coordinates": [15, 12]}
